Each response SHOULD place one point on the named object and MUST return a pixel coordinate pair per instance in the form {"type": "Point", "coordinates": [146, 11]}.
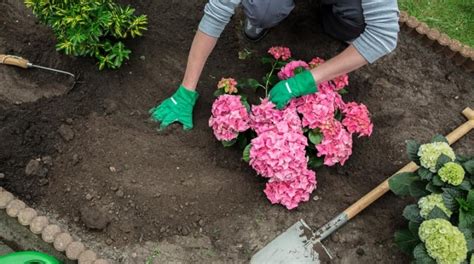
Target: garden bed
{"type": "Point", "coordinates": [176, 195]}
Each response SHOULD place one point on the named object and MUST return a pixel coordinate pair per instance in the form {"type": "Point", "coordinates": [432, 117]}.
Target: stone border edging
{"type": "Point", "coordinates": [461, 55]}
{"type": "Point", "coordinates": [50, 233]}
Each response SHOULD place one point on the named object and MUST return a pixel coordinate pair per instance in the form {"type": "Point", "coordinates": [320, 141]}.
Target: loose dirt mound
{"type": "Point", "coordinates": [179, 190]}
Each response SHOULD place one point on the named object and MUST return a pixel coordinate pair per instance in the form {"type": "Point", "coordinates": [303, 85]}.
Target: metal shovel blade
{"type": "Point", "coordinates": [293, 247]}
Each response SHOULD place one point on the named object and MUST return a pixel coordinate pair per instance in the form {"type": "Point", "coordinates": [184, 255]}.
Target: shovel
{"type": "Point", "coordinates": [299, 244]}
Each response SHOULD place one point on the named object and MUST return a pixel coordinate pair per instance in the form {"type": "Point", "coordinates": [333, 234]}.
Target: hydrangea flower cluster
{"type": "Point", "coordinates": [291, 193]}
{"type": "Point", "coordinates": [229, 85]}
{"type": "Point", "coordinates": [452, 173]}
{"type": "Point", "coordinates": [357, 119]}
{"type": "Point", "coordinates": [278, 153]}
{"type": "Point", "coordinates": [279, 150]}
{"type": "Point", "coordinates": [429, 154]}
{"type": "Point", "coordinates": [229, 117]}
{"type": "Point", "coordinates": [443, 241]}
{"type": "Point", "coordinates": [429, 202]}
{"type": "Point", "coordinates": [289, 69]}
{"type": "Point", "coordinates": [282, 53]}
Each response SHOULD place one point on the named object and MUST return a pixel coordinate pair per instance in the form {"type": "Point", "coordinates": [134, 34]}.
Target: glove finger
{"type": "Point", "coordinates": [167, 121]}
{"type": "Point", "coordinates": [187, 124]}
{"type": "Point", "coordinates": [161, 113]}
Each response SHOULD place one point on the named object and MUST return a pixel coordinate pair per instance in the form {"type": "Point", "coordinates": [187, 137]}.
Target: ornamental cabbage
{"type": "Point", "coordinates": [429, 154]}
{"type": "Point", "coordinates": [452, 173]}
{"type": "Point", "coordinates": [443, 241]}
{"type": "Point", "coordinates": [428, 203]}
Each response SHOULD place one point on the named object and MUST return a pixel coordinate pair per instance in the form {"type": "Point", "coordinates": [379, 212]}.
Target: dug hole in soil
{"type": "Point", "coordinates": [181, 196]}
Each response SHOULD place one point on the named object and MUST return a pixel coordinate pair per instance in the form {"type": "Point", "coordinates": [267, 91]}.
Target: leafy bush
{"type": "Point", "coordinates": [441, 223]}
{"type": "Point", "coordinates": [91, 27]}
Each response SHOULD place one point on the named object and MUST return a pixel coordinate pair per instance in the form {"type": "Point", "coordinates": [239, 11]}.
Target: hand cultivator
{"type": "Point", "coordinates": [25, 64]}
{"type": "Point", "coordinates": [299, 244]}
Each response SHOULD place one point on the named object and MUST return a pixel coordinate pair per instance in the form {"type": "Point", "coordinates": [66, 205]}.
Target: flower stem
{"type": "Point", "coordinates": [268, 78]}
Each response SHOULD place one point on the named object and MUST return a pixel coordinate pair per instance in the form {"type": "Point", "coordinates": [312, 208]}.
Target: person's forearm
{"type": "Point", "coordinates": [200, 49]}
{"type": "Point", "coordinates": [345, 62]}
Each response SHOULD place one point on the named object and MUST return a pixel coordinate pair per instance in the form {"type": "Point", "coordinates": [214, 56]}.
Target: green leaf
{"type": "Point", "coordinates": [466, 218]}
{"type": "Point", "coordinates": [470, 198]}
{"type": "Point", "coordinates": [449, 198]}
{"type": "Point", "coordinates": [244, 54]}
{"type": "Point", "coordinates": [421, 256]}
{"type": "Point", "coordinates": [244, 101]}
{"type": "Point", "coordinates": [299, 70]}
{"type": "Point", "coordinates": [343, 91]}
{"type": "Point", "coordinates": [412, 213]}
{"type": "Point", "coordinates": [436, 212]}
{"type": "Point", "coordinates": [268, 60]}
{"type": "Point", "coordinates": [242, 140]}
{"type": "Point", "coordinates": [246, 153]}
{"type": "Point", "coordinates": [400, 183]}
{"type": "Point", "coordinates": [315, 162]}
{"type": "Point", "coordinates": [229, 143]}
{"type": "Point", "coordinates": [443, 159]}
{"type": "Point", "coordinates": [467, 232]}
{"type": "Point", "coordinates": [412, 151]}
{"type": "Point", "coordinates": [406, 241]}
{"type": "Point", "coordinates": [315, 136]}
{"type": "Point", "coordinates": [219, 92]}
{"type": "Point", "coordinates": [469, 166]}
{"type": "Point", "coordinates": [425, 174]}
{"type": "Point", "coordinates": [338, 115]}
{"type": "Point", "coordinates": [433, 189]}
{"type": "Point", "coordinates": [417, 189]}
{"type": "Point", "coordinates": [413, 227]}
{"type": "Point", "coordinates": [249, 83]}
{"type": "Point", "coordinates": [436, 180]}
{"type": "Point", "coordinates": [465, 185]}
{"type": "Point", "coordinates": [439, 138]}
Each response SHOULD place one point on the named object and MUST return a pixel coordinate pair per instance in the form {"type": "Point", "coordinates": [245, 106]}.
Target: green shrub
{"type": "Point", "coordinates": [91, 27]}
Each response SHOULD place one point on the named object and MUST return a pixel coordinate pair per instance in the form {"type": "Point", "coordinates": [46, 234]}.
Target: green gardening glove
{"type": "Point", "coordinates": [177, 108]}
{"type": "Point", "coordinates": [299, 85]}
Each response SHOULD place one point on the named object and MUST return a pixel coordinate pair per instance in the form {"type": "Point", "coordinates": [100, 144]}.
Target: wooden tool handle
{"type": "Point", "coordinates": [382, 188]}
{"type": "Point", "coordinates": [14, 61]}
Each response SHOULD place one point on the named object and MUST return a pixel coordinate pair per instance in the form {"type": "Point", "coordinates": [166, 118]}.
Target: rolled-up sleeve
{"type": "Point", "coordinates": [381, 30]}
{"type": "Point", "coordinates": [217, 14]}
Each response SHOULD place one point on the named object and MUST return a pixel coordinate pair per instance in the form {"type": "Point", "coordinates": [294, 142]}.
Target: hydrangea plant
{"type": "Point", "coordinates": [285, 146]}
{"type": "Point", "coordinates": [441, 223]}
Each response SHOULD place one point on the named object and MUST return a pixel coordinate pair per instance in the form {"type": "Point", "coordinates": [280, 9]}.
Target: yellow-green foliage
{"type": "Point", "coordinates": [91, 27]}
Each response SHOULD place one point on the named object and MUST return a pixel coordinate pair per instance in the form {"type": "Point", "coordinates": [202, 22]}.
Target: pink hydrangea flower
{"type": "Point", "coordinates": [341, 81]}
{"type": "Point", "coordinates": [315, 62]}
{"type": "Point", "coordinates": [290, 193]}
{"type": "Point", "coordinates": [265, 117]}
{"type": "Point", "coordinates": [229, 117]}
{"type": "Point", "coordinates": [282, 53]}
{"type": "Point", "coordinates": [288, 70]}
{"type": "Point", "coordinates": [319, 108]}
{"type": "Point", "coordinates": [357, 119]}
{"type": "Point", "coordinates": [336, 146]}
{"type": "Point", "coordinates": [279, 157]}
{"type": "Point", "coordinates": [228, 84]}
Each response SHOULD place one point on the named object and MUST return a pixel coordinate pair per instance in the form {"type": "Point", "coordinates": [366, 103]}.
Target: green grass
{"type": "Point", "coordinates": [453, 17]}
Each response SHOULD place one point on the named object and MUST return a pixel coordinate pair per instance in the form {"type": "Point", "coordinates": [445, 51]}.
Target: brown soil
{"type": "Point", "coordinates": [181, 196]}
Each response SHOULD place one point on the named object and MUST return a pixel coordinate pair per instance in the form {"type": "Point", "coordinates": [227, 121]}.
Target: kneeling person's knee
{"type": "Point", "coordinates": [267, 13]}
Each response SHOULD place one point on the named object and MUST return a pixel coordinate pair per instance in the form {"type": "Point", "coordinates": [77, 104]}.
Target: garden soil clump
{"type": "Point", "coordinates": [135, 194]}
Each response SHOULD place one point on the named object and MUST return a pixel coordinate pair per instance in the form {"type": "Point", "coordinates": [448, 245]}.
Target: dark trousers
{"type": "Point", "coordinates": [342, 19]}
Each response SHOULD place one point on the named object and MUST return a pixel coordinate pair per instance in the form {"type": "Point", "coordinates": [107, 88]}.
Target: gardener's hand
{"type": "Point", "coordinates": [299, 85]}
{"type": "Point", "coordinates": [177, 108]}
